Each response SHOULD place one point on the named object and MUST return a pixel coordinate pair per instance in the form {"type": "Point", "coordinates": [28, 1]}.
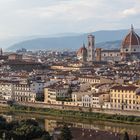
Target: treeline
{"type": "Point", "coordinates": [21, 130]}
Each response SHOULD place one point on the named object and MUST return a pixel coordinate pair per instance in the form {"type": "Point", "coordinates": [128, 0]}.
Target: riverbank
{"type": "Point", "coordinates": [74, 115]}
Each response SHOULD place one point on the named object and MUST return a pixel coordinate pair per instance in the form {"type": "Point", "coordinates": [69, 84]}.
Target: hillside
{"type": "Point", "coordinates": [104, 39]}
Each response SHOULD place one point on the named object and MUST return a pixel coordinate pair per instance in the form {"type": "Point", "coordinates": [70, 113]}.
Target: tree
{"type": "Point", "coordinates": [66, 133]}
{"type": "Point", "coordinates": [10, 102]}
{"type": "Point", "coordinates": [126, 136]}
{"type": "Point", "coordinates": [135, 138]}
{"type": "Point", "coordinates": [46, 136]}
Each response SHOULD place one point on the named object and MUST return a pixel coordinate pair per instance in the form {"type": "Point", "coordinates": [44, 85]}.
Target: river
{"type": "Point", "coordinates": [49, 123]}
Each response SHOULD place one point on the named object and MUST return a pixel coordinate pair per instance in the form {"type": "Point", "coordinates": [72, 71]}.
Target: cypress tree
{"type": "Point", "coordinates": [66, 133]}
{"type": "Point", "coordinates": [126, 136]}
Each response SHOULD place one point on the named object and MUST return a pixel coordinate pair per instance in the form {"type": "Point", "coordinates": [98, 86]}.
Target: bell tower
{"type": "Point", "coordinates": [91, 48]}
{"type": "Point", "coordinates": [1, 52]}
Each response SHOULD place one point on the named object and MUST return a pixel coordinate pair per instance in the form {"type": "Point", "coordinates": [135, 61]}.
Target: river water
{"type": "Point", "coordinates": [49, 123]}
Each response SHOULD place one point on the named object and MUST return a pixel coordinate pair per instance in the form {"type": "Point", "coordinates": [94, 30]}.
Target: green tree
{"type": "Point", "coordinates": [66, 133]}
{"type": "Point", "coordinates": [126, 136]}
{"type": "Point", "coordinates": [46, 136]}
{"type": "Point", "coordinates": [135, 138]}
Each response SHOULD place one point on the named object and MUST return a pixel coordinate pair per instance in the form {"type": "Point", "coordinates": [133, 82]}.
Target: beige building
{"type": "Point", "coordinates": [125, 97]}
{"type": "Point", "coordinates": [23, 93]}
{"type": "Point", "coordinates": [52, 95]}
{"type": "Point", "coordinates": [14, 56]}
{"type": "Point", "coordinates": [94, 80]}
{"type": "Point", "coordinates": [7, 88]}
{"type": "Point", "coordinates": [95, 100]}
{"type": "Point", "coordinates": [6, 91]}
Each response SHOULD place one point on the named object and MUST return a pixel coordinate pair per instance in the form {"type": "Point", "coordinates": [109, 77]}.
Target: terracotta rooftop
{"type": "Point", "coordinates": [129, 87]}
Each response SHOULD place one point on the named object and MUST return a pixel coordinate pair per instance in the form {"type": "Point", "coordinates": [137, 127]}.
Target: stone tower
{"type": "Point", "coordinates": [98, 54]}
{"type": "Point", "coordinates": [90, 48]}
{"type": "Point", "coordinates": [1, 52]}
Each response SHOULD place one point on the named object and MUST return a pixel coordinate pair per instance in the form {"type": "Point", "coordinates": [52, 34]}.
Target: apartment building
{"type": "Point", "coordinates": [95, 100]}
{"type": "Point", "coordinates": [55, 93]}
{"type": "Point", "coordinates": [23, 93]}
{"type": "Point", "coordinates": [6, 89]}
{"type": "Point", "coordinates": [125, 97]}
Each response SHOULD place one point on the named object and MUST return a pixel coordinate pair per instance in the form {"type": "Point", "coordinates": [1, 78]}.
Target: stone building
{"type": "Point", "coordinates": [130, 49]}
{"type": "Point", "coordinates": [6, 90]}
{"type": "Point", "coordinates": [91, 48]}
{"type": "Point", "coordinates": [125, 97]}
{"type": "Point", "coordinates": [14, 56]}
{"type": "Point", "coordinates": [82, 54]}
{"type": "Point", "coordinates": [87, 53]}
{"type": "Point", "coordinates": [54, 94]}
{"type": "Point", "coordinates": [23, 93]}
{"type": "Point", "coordinates": [110, 55]}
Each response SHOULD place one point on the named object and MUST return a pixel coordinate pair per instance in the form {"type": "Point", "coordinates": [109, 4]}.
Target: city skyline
{"type": "Point", "coordinates": [27, 18]}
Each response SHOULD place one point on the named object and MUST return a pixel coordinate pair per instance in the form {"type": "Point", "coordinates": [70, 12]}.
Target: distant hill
{"type": "Point", "coordinates": [104, 39]}
{"type": "Point", "coordinates": [109, 45]}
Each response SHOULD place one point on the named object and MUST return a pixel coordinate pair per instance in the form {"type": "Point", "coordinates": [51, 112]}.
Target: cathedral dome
{"type": "Point", "coordinates": [131, 39]}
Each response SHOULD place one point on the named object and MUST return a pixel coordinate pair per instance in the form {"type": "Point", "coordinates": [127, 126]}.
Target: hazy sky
{"type": "Point", "coordinates": [34, 17]}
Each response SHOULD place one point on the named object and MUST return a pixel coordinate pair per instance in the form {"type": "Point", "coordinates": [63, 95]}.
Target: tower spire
{"type": "Point", "coordinates": [83, 44]}
{"type": "Point", "coordinates": [132, 28]}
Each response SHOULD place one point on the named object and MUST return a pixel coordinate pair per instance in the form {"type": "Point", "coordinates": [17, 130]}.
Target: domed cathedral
{"type": "Point", "coordinates": [82, 54]}
{"type": "Point", "coordinates": [130, 49]}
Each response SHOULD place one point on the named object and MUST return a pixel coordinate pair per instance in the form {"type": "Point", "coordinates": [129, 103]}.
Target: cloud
{"type": "Point", "coordinates": [131, 12]}
{"type": "Point", "coordinates": [31, 17]}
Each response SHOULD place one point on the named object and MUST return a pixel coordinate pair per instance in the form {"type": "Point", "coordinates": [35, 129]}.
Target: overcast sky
{"type": "Point", "coordinates": [35, 17]}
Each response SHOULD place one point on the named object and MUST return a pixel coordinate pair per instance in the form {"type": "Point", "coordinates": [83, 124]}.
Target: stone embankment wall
{"type": "Point", "coordinates": [76, 108]}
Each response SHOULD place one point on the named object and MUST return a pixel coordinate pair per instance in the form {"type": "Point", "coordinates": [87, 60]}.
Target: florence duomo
{"type": "Point", "coordinates": [129, 50]}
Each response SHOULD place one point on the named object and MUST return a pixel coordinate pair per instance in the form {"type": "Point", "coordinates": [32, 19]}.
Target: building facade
{"type": "Point", "coordinates": [87, 53]}
{"type": "Point", "coordinates": [130, 49]}
{"type": "Point", "coordinates": [125, 98]}
{"type": "Point", "coordinates": [91, 48]}
{"type": "Point", "coordinates": [23, 93]}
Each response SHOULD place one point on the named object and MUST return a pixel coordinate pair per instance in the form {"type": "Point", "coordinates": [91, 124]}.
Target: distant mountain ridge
{"type": "Point", "coordinates": [104, 39]}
